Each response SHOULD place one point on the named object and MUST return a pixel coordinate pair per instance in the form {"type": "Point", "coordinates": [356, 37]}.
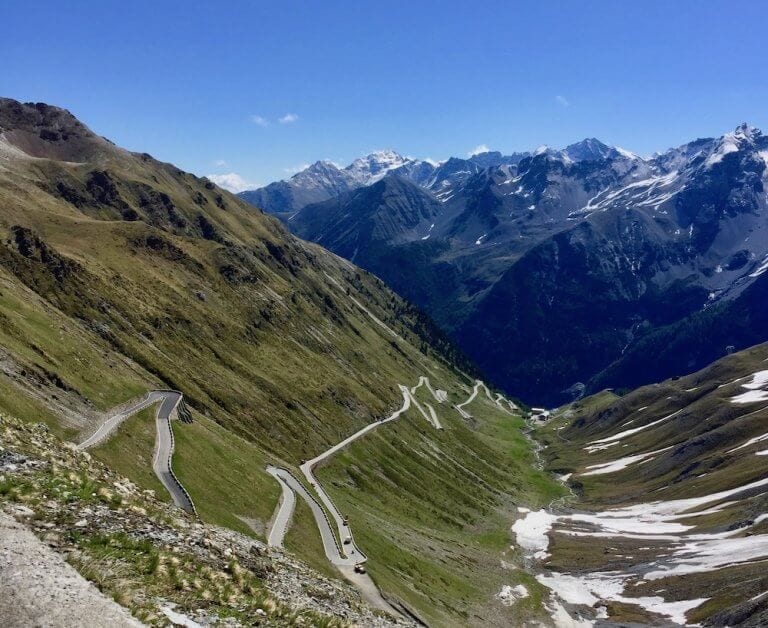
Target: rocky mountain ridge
{"type": "Point", "coordinates": [650, 242]}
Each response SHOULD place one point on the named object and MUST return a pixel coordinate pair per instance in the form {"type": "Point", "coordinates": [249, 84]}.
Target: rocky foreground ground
{"type": "Point", "coordinates": [160, 564]}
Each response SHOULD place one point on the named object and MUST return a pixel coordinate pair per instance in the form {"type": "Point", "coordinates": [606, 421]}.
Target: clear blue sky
{"type": "Point", "coordinates": [204, 84]}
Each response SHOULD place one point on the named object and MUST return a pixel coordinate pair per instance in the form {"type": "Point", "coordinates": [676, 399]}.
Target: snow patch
{"type": "Point", "coordinates": [751, 441]}
{"type": "Point", "coordinates": [562, 619]}
{"type": "Point", "coordinates": [756, 389]}
{"type": "Point", "coordinates": [509, 595]}
{"type": "Point", "coordinates": [706, 555]}
{"type": "Point", "coordinates": [635, 430]}
{"type": "Point", "coordinates": [761, 269]}
{"type": "Point", "coordinates": [531, 531]}
{"type": "Point", "coordinates": [621, 463]}
{"type": "Point", "coordinates": [594, 588]}
{"type": "Point", "coordinates": [728, 144]}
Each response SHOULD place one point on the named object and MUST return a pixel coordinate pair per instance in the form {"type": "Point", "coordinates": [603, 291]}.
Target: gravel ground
{"type": "Point", "coordinates": [44, 590]}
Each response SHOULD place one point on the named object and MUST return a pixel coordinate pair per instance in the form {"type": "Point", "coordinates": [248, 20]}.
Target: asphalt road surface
{"type": "Point", "coordinates": [161, 462]}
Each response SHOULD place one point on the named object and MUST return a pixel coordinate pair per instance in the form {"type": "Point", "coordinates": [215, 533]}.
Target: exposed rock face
{"type": "Point", "coordinates": [387, 211]}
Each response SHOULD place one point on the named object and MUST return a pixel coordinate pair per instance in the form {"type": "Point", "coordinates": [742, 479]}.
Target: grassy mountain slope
{"type": "Point", "coordinates": [119, 274]}
{"type": "Point", "coordinates": [437, 504]}
{"type": "Point", "coordinates": [195, 290]}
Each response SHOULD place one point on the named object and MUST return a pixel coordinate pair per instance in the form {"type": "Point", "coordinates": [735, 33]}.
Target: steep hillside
{"type": "Point", "coordinates": [127, 256]}
{"type": "Point", "coordinates": [120, 275]}
{"type": "Point", "coordinates": [154, 560]}
{"type": "Point", "coordinates": [670, 523]}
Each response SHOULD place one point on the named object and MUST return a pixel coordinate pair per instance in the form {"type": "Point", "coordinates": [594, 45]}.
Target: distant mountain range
{"type": "Point", "coordinates": [559, 271]}
{"type": "Point", "coordinates": [324, 179]}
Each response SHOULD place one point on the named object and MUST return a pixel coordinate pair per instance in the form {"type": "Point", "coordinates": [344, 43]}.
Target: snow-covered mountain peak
{"type": "Point", "coordinates": [385, 156]}
{"type": "Point", "coordinates": [592, 149]}
{"type": "Point", "coordinates": [742, 138]}
{"type": "Point", "coordinates": [627, 154]}
{"type": "Point", "coordinates": [588, 149]}
{"type": "Point", "coordinates": [320, 166]}
{"type": "Point", "coordinates": [319, 174]}
{"type": "Point", "coordinates": [746, 132]}
{"type": "Point", "coordinates": [373, 167]}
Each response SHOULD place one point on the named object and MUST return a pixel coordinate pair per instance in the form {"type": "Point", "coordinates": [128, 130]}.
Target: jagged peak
{"type": "Point", "coordinates": [742, 137]}
{"type": "Point", "coordinates": [746, 131]}
{"type": "Point", "coordinates": [386, 156]}
{"type": "Point", "coordinates": [590, 142]}
{"type": "Point", "coordinates": [322, 164]}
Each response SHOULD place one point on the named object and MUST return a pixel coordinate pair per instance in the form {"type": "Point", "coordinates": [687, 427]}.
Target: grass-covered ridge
{"type": "Point", "coordinates": [149, 275]}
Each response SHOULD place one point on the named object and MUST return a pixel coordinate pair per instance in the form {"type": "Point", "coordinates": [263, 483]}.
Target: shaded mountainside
{"type": "Point", "coordinates": [555, 266]}
{"type": "Point", "coordinates": [389, 227]}
{"type": "Point", "coordinates": [623, 290]}
{"type": "Point", "coordinates": [670, 522]}
{"type": "Point", "coordinates": [389, 211]}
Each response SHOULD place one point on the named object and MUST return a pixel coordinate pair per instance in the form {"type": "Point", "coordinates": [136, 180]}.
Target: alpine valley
{"type": "Point", "coordinates": [559, 272]}
{"type": "Point", "coordinates": [215, 416]}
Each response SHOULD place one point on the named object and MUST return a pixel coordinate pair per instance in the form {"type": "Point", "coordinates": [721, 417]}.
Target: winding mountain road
{"type": "Point", "coordinates": [439, 395]}
{"type": "Point", "coordinates": [499, 400]}
{"type": "Point", "coordinates": [105, 429]}
{"type": "Point", "coordinates": [345, 532]}
{"type": "Point", "coordinates": [345, 563]}
{"type": "Point", "coordinates": [169, 401]}
{"type": "Point", "coordinates": [347, 556]}
{"type": "Point", "coordinates": [354, 555]}
{"type": "Point", "coordinates": [435, 420]}
{"type": "Point", "coordinates": [291, 486]}
{"type": "Point", "coordinates": [284, 513]}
